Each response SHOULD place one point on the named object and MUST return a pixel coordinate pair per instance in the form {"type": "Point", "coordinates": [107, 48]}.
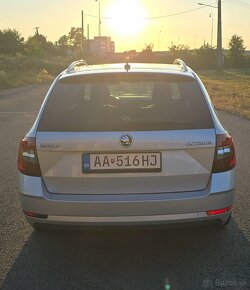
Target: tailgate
{"type": "Point", "coordinates": [186, 161]}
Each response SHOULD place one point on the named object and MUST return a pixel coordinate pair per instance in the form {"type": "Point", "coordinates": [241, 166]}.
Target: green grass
{"type": "Point", "coordinates": [21, 70]}
{"type": "Point", "coordinates": [229, 91]}
{"type": "Point", "coordinates": [12, 80]}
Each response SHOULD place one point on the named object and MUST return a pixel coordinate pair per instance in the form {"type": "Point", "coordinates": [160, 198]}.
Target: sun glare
{"type": "Point", "coordinates": [126, 18]}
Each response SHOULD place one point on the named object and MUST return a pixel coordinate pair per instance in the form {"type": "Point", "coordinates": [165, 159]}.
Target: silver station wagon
{"type": "Point", "coordinates": [133, 144]}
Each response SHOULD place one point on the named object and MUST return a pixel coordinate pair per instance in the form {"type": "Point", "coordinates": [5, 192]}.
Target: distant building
{"type": "Point", "coordinates": [101, 46]}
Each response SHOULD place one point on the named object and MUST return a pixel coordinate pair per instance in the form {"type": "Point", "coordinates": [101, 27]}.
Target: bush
{"type": "Point", "coordinates": [3, 78]}
{"type": "Point", "coordinates": [43, 76]}
{"type": "Point", "coordinates": [23, 69]}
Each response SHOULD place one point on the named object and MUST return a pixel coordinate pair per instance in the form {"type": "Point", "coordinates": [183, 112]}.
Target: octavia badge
{"type": "Point", "coordinates": [126, 141]}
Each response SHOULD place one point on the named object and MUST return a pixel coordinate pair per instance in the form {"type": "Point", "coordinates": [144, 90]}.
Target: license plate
{"type": "Point", "coordinates": [121, 162]}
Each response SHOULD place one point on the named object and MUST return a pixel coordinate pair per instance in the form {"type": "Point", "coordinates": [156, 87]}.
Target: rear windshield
{"type": "Point", "coordinates": [125, 102]}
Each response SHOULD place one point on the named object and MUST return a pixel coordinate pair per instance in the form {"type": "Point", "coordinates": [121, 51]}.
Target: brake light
{"type": "Point", "coordinates": [225, 158]}
{"type": "Point", "coordinates": [219, 211]}
{"type": "Point", "coordinates": [27, 157]}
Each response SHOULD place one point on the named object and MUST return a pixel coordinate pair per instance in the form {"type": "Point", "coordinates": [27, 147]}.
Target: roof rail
{"type": "Point", "coordinates": [76, 64]}
{"type": "Point", "coordinates": [182, 64]}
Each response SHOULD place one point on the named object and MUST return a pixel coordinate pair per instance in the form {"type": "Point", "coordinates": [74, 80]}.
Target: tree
{"type": "Point", "coordinates": [205, 47]}
{"type": "Point", "coordinates": [37, 44]}
{"type": "Point", "coordinates": [75, 40]}
{"type": "Point", "coordinates": [62, 44]}
{"type": "Point", "coordinates": [63, 41]}
{"type": "Point", "coordinates": [148, 48]}
{"type": "Point", "coordinates": [75, 37]}
{"type": "Point", "coordinates": [179, 47]}
{"type": "Point", "coordinates": [205, 56]}
{"type": "Point", "coordinates": [236, 49]}
{"type": "Point", "coordinates": [146, 54]}
{"type": "Point", "coordinates": [179, 51]}
{"type": "Point", "coordinates": [11, 41]}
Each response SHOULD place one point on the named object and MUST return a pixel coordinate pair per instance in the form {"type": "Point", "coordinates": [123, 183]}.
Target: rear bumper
{"type": "Point", "coordinates": [129, 220]}
{"type": "Point", "coordinates": [131, 209]}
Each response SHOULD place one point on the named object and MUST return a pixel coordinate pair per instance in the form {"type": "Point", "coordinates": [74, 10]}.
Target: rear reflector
{"type": "Point", "coordinates": [225, 158]}
{"type": "Point", "coordinates": [27, 157]}
{"type": "Point", "coordinates": [219, 211]}
{"type": "Point", "coordinates": [35, 215]}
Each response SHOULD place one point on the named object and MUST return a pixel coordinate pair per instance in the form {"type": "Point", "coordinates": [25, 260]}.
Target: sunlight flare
{"type": "Point", "coordinates": [127, 18]}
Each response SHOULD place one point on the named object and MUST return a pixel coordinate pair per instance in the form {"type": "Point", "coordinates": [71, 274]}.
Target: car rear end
{"type": "Point", "coordinates": [127, 148]}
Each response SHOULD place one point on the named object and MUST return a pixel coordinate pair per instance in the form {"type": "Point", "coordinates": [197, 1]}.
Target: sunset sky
{"type": "Point", "coordinates": [128, 21]}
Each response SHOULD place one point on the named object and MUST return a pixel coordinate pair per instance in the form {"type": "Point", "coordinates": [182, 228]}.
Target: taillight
{"type": "Point", "coordinates": [225, 158]}
{"type": "Point", "coordinates": [27, 157]}
{"type": "Point", "coordinates": [219, 211]}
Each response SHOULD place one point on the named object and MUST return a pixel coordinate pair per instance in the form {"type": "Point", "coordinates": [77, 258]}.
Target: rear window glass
{"type": "Point", "coordinates": [125, 102]}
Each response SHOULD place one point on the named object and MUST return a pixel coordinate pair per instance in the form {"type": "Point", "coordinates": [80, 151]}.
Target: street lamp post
{"type": "Point", "coordinates": [219, 36]}
{"type": "Point", "coordinates": [99, 18]}
{"type": "Point", "coordinates": [212, 28]}
{"type": "Point", "coordinates": [82, 44]}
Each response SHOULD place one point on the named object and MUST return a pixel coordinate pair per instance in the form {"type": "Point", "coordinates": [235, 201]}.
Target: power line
{"type": "Point", "coordinates": [155, 17]}
{"type": "Point", "coordinates": [178, 13]}
{"type": "Point", "coordinates": [240, 3]}
{"type": "Point", "coordinates": [174, 14]}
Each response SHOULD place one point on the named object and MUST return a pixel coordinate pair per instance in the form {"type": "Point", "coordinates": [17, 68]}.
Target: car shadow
{"type": "Point", "coordinates": [204, 257]}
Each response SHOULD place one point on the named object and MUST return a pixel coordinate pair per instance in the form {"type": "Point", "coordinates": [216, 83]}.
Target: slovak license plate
{"type": "Point", "coordinates": [121, 162]}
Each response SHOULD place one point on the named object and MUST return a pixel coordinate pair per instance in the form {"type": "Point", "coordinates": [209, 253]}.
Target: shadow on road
{"type": "Point", "coordinates": [190, 258]}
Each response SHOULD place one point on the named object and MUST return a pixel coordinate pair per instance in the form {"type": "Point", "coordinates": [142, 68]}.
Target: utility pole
{"type": "Point", "coordinates": [219, 36]}
{"type": "Point", "coordinates": [219, 40]}
{"type": "Point", "coordinates": [82, 34]}
{"type": "Point", "coordinates": [37, 30]}
{"type": "Point", "coordinates": [88, 39]}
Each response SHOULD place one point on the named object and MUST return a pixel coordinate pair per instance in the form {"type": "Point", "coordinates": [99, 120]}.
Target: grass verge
{"type": "Point", "coordinates": [229, 91]}
{"type": "Point", "coordinates": [19, 70]}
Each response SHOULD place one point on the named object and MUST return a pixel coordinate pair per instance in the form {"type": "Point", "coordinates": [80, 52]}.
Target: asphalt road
{"type": "Point", "coordinates": [187, 258]}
